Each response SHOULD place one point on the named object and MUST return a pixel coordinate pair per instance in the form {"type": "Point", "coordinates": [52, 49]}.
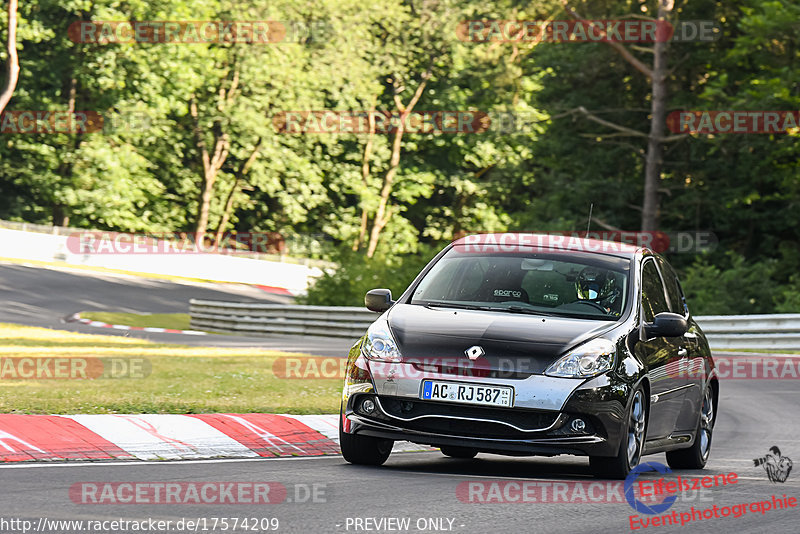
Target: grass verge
{"type": "Point", "coordinates": [182, 379]}
{"type": "Point", "coordinates": [177, 321]}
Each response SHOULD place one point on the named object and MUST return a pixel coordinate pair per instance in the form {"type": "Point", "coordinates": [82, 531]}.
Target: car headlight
{"type": "Point", "coordinates": [590, 359]}
{"type": "Point", "coordinates": [380, 346]}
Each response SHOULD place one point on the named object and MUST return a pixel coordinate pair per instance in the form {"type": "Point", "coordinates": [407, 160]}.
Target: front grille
{"type": "Point", "coordinates": [439, 419]}
{"type": "Point", "coordinates": [467, 371]}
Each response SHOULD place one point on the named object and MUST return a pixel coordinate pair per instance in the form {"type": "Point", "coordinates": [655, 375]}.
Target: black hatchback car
{"type": "Point", "coordinates": [527, 344]}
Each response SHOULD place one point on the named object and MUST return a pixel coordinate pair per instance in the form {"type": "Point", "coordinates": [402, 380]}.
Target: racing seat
{"type": "Point", "coordinates": [501, 284]}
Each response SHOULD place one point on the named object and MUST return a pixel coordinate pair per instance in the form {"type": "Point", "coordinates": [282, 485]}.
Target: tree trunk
{"type": "Point", "coordinates": [655, 143]}
{"type": "Point", "coordinates": [362, 232]}
{"type": "Point", "coordinates": [384, 212]}
{"type": "Point", "coordinates": [211, 167]}
{"type": "Point", "coordinates": [213, 163]}
{"type": "Point", "coordinates": [382, 215]}
{"type": "Point", "coordinates": [12, 64]}
{"type": "Point", "coordinates": [65, 168]}
{"type": "Point", "coordinates": [243, 170]}
{"type": "Point", "coordinates": [658, 112]}
{"type": "Point", "coordinates": [226, 214]}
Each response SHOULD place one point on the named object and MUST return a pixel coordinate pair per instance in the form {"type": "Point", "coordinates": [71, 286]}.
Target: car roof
{"type": "Point", "coordinates": [502, 242]}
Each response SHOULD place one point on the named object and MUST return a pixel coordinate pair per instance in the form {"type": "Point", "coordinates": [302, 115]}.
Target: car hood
{"type": "Point", "coordinates": [510, 342]}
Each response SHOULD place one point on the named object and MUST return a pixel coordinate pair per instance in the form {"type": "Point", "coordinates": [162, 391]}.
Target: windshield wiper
{"type": "Point", "coordinates": [510, 309]}
{"type": "Point", "coordinates": [520, 309]}
{"type": "Point", "coordinates": [458, 306]}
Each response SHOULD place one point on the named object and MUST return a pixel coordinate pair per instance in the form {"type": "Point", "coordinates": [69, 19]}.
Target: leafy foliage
{"type": "Point", "coordinates": [146, 173]}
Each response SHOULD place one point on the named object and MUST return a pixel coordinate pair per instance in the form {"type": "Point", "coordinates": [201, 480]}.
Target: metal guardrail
{"type": "Point", "coordinates": [270, 319]}
{"type": "Point", "coordinates": [772, 331]}
{"type": "Point", "coordinates": [777, 331]}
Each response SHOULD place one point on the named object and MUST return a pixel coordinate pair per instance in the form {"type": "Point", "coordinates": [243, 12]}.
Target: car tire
{"type": "Point", "coordinates": [631, 444]}
{"type": "Point", "coordinates": [464, 453]}
{"type": "Point", "coordinates": [696, 456]}
{"type": "Point", "coordinates": [363, 450]}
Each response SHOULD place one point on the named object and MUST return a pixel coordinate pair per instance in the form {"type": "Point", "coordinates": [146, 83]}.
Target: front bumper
{"type": "Point", "coordinates": [510, 431]}
{"type": "Point", "coordinates": [538, 424]}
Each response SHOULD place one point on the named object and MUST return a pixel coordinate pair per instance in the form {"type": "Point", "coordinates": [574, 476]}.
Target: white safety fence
{"type": "Point", "coordinates": [34, 243]}
{"type": "Point", "coordinates": [781, 331]}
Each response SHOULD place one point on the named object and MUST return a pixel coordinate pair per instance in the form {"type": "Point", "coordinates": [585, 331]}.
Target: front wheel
{"type": "Point", "coordinates": [696, 456]}
{"type": "Point", "coordinates": [363, 450]}
{"type": "Point", "coordinates": [631, 445]}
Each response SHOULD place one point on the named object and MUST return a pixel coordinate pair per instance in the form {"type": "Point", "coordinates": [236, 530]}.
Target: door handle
{"type": "Point", "coordinates": [691, 338]}
{"type": "Point", "coordinates": [683, 353]}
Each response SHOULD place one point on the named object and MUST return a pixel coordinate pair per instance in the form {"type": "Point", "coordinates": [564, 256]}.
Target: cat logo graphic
{"type": "Point", "coordinates": [777, 467]}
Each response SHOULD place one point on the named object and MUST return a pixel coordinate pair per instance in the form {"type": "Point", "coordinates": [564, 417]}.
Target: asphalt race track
{"type": "Point", "coordinates": [423, 488]}
{"type": "Point", "coordinates": [37, 296]}
{"type": "Point", "coordinates": [754, 416]}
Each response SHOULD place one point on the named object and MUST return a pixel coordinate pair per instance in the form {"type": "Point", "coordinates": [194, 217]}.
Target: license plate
{"type": "Point", "coordinates": [440, 390]}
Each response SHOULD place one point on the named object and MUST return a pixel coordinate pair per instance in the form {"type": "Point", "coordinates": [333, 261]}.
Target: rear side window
{"type": "Point", "coordinates": [677, 302]}
{"type": "Point", "coordinates": [654, 301]}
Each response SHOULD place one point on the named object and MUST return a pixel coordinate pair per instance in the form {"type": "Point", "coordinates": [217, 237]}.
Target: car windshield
{"type": "Point", "coordinates": [562, 283]}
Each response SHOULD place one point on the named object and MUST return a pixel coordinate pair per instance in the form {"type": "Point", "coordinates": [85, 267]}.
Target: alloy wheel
{"type": "Point", "coordinates": [706, 423]}
{"type": "Point", "coordinates": [636, 427]}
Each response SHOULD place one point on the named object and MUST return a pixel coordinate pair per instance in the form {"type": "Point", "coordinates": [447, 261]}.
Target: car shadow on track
{"type": "Point", "coordinates": [487, 465]}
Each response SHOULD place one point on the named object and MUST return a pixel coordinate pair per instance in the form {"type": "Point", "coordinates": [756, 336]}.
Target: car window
{"type": "Point", "coordinates": [570, 284]}
{"type": "Point", "coordinates": [654, 300]}
{"type": "Point", "coordinates": [458, 280]}
{"type": "Point", "coordinates": [677, 302]}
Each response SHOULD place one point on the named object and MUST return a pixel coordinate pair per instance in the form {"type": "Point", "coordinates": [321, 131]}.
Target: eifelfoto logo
{"type": "Point", "coordinates": [630, 496]}
{"type": "Point", "coordinates": [777, 467]}
{"type": "Point", "coordinates": [473, 353]}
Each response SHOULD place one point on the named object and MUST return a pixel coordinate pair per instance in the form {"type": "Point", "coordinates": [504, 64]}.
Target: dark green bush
{"type": "Point", "coordinates": [736, 288]}
{"type": "Point", "coordinates": [357, 274]}
{"type": "Point", "coordinates": [788, 301]}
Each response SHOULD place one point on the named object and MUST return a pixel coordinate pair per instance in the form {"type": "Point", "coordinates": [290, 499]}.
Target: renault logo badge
{"type": "Point", "coordinates": [473, 353]}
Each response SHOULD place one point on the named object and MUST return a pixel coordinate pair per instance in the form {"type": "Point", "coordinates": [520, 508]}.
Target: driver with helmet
{"type": "Point", "coordinates": [600, 287]}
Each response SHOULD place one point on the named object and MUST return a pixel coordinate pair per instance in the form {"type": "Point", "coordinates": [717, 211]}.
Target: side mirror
{"type": "Point", "coordinates": [378, 300]}
{"type": "Point", "coordinates": [666, 324]}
